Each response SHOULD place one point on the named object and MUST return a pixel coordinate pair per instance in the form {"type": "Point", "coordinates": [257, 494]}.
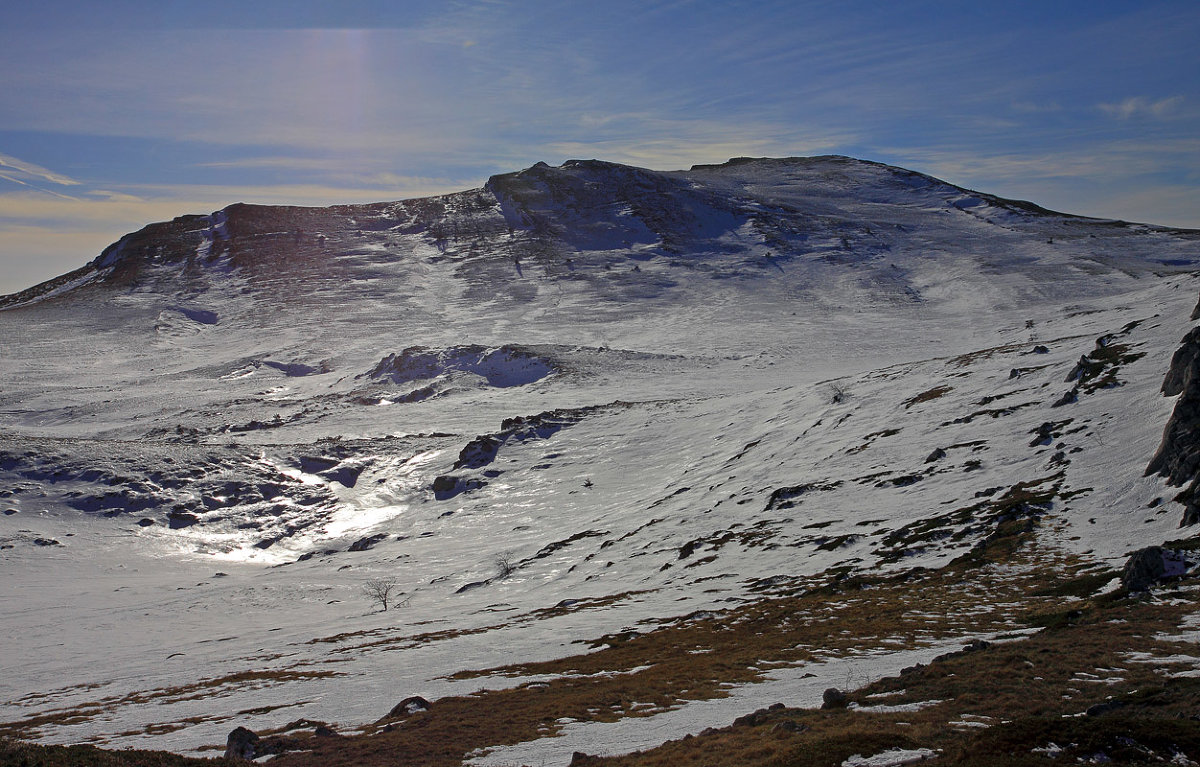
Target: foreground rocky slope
{"type": "Point", "coordinates": [748, 431]}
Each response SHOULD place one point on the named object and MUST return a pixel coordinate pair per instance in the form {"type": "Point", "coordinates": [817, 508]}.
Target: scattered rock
{"type": "Point", "coordinates": [758, 717]}
{"type": "Point", "coordinates": [145, 522]}
{"type": "Point", "coordinates": [936, 455]}
{"type": "Point", "coordinates": [975, 645]}
{"type": "Point", "coordinates": [325, 731]}
{"type": "Point", "coordinates": [177, 520]}
{"type": "Point", "coordinates": [1040, 349]}
{"type": "Point", "coordinates": [362, 544]}
{"type": "Point", "coordinates": [45, 542]}
{"type": "Point", "coordinates": [468, 586]}
{"type": "Point", "coordinates": [447, 486]}
{"type": "Point", "coordinates": [1069, 398]}
{"type": "Point", "coordinates": [345, 474]}
{"type": "Point", "coordinates": [1086, 367]}
{"type": "Point", "coordinates": [9, 512]}
{"type": "Point", "coordinates": [1045, 434]}
{"type": "Point", "coordinates": [478, 453]}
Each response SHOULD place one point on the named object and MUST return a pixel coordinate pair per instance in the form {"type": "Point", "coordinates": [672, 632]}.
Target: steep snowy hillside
{"type": "Point", "coordinates": [591, 406]}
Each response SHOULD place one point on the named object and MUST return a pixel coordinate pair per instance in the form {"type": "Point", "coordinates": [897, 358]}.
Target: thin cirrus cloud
{"type": "Point", "coordinates": [45, 234]}
{"type": "Point", "coordinates": [1140, 106]}
{"type": "Point", "coordinates": [31, 175]}
{"type": "Point", "coordinates": [156, 111]}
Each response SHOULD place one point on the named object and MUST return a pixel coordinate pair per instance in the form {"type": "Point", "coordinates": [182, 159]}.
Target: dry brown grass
{"type": "Point", "coordinates": [203, 689]}
{"type": "Point", "coordinates": [927, 395]}
{"type": "Point", "coordinates": [1022, 690]}
{"type": "Point", "coordinates": [669, 664]}
{"type": "Point", "coordinates": [1030, 693]}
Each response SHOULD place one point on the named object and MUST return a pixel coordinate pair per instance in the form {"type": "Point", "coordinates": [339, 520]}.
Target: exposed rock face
{"type": "Point", "coordinates": [1178, 457]}
{"type": "Point", "coordinates": [1183, 364]}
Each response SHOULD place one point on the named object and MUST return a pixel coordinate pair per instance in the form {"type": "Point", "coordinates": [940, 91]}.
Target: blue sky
{"type": "Point", "coordinates": [114, 115]}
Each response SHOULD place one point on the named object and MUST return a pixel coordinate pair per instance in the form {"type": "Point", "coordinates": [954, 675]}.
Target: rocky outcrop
{"type": "Point", "coordinates": [1183, 364]}
{"type": "Point", "coordinates": [448, 486]}
{"type": "Point", "coordinates": [242, 744]}
{"type": "Point", "coordinates": [246, 745]}
{"type": "Point", "coordinates": [414, 704]}
{"type": "Point", "coordinates": [1178, 456]}
{"type": "Point", "coordinates": [502, 367]}
{"type": "Point", "coordinates": [834, 698]}
{"type": "Point", "coordinates": [1148, 566]}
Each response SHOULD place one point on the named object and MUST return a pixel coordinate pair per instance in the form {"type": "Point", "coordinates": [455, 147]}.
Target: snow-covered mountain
{"type": "Point", "coordinates": [574, 403]}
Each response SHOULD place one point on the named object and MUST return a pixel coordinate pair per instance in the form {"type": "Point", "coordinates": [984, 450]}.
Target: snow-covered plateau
{"type": "Point", "coordinates": [573, 408]}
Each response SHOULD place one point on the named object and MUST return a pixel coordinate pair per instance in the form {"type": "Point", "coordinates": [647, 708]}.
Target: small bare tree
{"type": "Point", "coordinates": [839, 392]}
{"type": "Point", "coordinates": [505, 564]}
{"type": "Point", "coordinates": [382, 591]}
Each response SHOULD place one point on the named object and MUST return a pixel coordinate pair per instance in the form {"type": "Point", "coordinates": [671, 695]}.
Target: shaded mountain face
{"type": "Point", "coordinates": [579, 386]}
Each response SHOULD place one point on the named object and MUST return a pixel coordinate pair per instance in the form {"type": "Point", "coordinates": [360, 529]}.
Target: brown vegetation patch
{"type": "Point", "coordinates": [30, 755]}
{"type": "Point", "coordinates": [201, 690]}
{"type": "Point", "coordinates": [1072, 686]}
{"type": "Point", "coordinates": [927, 395]}
{"type": "Point", "coordinates": [404, 640]}
{"type": "Point", "coordinates": [658, 666]}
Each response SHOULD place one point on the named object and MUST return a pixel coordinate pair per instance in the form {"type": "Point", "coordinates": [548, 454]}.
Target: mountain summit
{"type": "Point", "coordinates": [744, 430]}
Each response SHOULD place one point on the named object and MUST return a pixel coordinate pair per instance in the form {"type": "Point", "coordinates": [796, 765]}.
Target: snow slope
{"type": "Point", "coordinates": [626, 393]}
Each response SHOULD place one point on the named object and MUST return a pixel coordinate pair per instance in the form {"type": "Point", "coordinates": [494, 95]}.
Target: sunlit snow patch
{"type": "Point", "coordinates": [892, 758]}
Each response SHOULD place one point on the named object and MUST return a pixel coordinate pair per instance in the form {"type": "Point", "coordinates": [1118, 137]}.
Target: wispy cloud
{"type": "Point", "coordinates": [42, 236]}
{"type": "Point", "coordinates": [137, 206]}
{"type": "Point", "coordinates": [1103, 179]}
{"type": "Point", "coordinates": [1140, 106]}
{"type": "Point", "coordinates": [33, 176]}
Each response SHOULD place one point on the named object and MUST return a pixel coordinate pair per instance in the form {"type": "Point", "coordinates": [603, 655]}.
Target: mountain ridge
{"type": "Point", "coordinates": [737, 430]}
{"type": "Point", "coordinates": [193, 237]}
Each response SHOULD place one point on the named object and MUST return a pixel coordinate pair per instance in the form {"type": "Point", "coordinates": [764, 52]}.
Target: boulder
{"type": "Point", "coordinates": [834, 698]}
{"type": "Point", "coordinates": [181, 519]}
{"type": "Point", "coordinates": [409, 706]}
{"type": "Point", "coordinates": [447, 486]}
{"type": "Point", "coordinates": [242, 744]}
{"type": "Point", "coordinates": [1151, 565]}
